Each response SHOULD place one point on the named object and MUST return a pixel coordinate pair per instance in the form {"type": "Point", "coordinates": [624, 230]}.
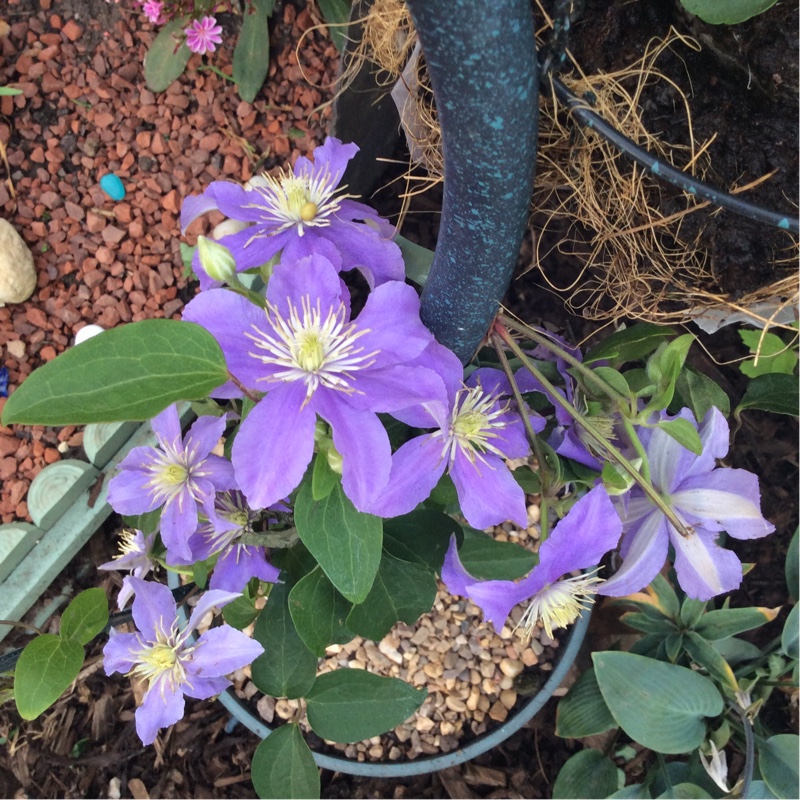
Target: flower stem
{"type": "Point", "coordinates": [611, 453]}
{"type": "Point", "coordinates": [242, 388]}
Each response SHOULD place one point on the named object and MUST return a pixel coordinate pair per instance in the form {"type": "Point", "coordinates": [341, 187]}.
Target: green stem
{"type": "Point", "coordinates": [521, 405]}
{"type": "Point", "coordinates": [590, 375]}
{"type": "Point", "coordinates": [612, 453]}
{"type": "Point", "coordinates": [637, 445]}
{"type": "Point", "coordinates": [273, 539]}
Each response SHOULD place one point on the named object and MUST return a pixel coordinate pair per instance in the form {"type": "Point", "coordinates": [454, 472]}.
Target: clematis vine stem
{"type": "Point", "coordinates": [612, 452]}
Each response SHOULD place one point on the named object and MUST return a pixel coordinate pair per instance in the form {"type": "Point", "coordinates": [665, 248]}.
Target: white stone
{"type": "Point", "coordinates": [17, 272]}
{"type": "Point", "coordinates": [87, 331]}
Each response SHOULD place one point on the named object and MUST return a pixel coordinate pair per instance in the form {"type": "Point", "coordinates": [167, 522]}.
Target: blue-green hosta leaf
{"type": "Point", "coordinates": [586, 774]}
{"type": "Point", "coordinates": [85, 616]}
{"type": "Point", "coordinates": [778, 758]}
{"type": "Point", "coordinates": [44, 671]}
{"type": "Point", "coordinates": [130, 373]}
{"type": "Point", "coordinates": [789, 637]}
{"type": "Point", "coordinates": [348, 705]}
{"type": "Point", "coordinates": [582, 711]}
{"type": "Point", "coordinates": [703, 654]}
{"type": "Point", "coordinates": [661, 706]}
{"type": "Point", "coordinates": [283, 766]}
{"type": "Point", "coordinates": [346, 543]}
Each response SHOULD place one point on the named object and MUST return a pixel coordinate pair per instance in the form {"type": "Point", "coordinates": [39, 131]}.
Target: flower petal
{"type": "Point", "coordinates": [120, 652]}
{"type": "Point", "coordinates": [704, 568]}
{"type": "Point", "coordinates": [178, 522]}
{"type": "Point", "coordinates": [725, 499]}
{"type": "Point", "coordinates": [163, 705]}
{"type": "Point", "coordinates": [153, 608]}
{"type": "Point", "coordinates": [238, 564]}
{"type": "Point", "coordinates": [589, 530]}
{"type": "Point", "coordinates": [208, 601]}
{"type": "Point", "coordinates": [379, 260]}
{"type": "Point", "coordinates": [647, 550]}
{"type": "Point", "coordinates": [228, 317]}
{"type": "Point", "coordinates": [313, 279]}
{"type": "Point", "coordinates": [220, 651]}
{"type": "Point", "coordinates": [363, 444]}
{"type": "Point", "coordinates": [274, 445]}
{"type": "Point", "coordinates": [204, 436]}
{"type": "Point", "coordinates": [130, 492]}
{"type": "Point", "coordinates": [167, 427]}
{"type": "Point", "coordinates": [487, 492]}
{"type": "Point", "coordinates": [416, 469]}
{"type": "Point", "coordinates": [203, 688]}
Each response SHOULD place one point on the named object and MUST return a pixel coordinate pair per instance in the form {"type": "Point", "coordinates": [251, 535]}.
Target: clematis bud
{"type": "Point", "coordinates": [216, 259]}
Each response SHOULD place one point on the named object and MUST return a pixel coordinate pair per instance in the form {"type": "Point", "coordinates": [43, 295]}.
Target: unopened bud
{"type": "Point", "coordinates": [334, 459]}
{"type": "Point", "coordinates": [215, 259]}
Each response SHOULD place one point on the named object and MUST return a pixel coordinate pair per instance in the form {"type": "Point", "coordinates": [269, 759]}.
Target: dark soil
{"type": "Point", "coordinates": [86, 745]}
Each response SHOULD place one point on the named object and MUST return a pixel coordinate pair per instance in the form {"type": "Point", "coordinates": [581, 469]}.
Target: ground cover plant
{"type": "Point", "coordinates": [339, 418]}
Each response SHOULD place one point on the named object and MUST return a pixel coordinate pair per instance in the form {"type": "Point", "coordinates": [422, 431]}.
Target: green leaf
{"type": "Point", "coordinates": [692, 611]}
{"type": "Point", "coordinates": [668, 603]}
{"type": "Point", "coordinates": [286, 668]}
{"type": "Point", "coordinates": [636, 791]}
{"type": "Point", "coordinates": [629, 344]}
{"type": "Point", "coordinates": [346, 543]}
{"type": "Point", "coordinates": [684, 433]}
{"type": "Point", "coordinates": [323, 478]}
{"type": "Point", "coordinates": [685, 791]}
{"type": "Point", "coordinates": [775, 393]}
{"type": "Point", "coordinates": [613, 378]}
{"type": "Point", "coordinates": [645, 623]}
{"type": "Point", "coordinates": [777, 760]}
{"type": "Point", "coordinates": [489, 560]}
{"type": "Point", "coordinates": [402, 592]}
{"type": "Point", "coordinates": [319, 612]}
{"type": "Point", "coordinates": [283, 766]}
{"type": "Point", "coordinates": [773, 354]}
{"type": "Point", "coordinates": [587, 774]}
{"type": "Point", "coordinates": [166, 60]}
{"type": "Point", "coordinates": [336, 14]}
{"type": "Point", "coordinates": [700, 393]}
{"type": "Point", "coordinates": [251, 56]}
{"type": "Point", "coordinates": [661, 706]}
{"type": "Point", "coordinates": [422, 536]}
{"type": "Point", "coordinates": [527, 479]}
{"type": "Point", "coordinates": [45, 670]}
{"type": "Point", "coordinates": [789, 637]}
{"type": "Point", "coordinates": [146, 523]}
{"type": "Point", "coordinates": [582, 711]}
{"type": "Point", "coordinates": [760, 790]}
{"type": "Point", "coordinates": [792, 564]}
{"type": "Point", "coordinates": [703, 654]}
{"type": "Point", "coordinates": [85, 616]}
{"type": "Point", "coordinates": [726, 12]}
{"type": "Point", "coordinates": [724, 622]}
{"type": "Point", "coordinates": [240, 613]}
{"type": "Point", "coordinates": [128, 373]}
{"type": "Point", "coordinates": [349, 705]}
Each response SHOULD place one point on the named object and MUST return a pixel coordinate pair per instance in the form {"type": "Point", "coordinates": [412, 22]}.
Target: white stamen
{"type": "Point", "coordinates": [308, 348]}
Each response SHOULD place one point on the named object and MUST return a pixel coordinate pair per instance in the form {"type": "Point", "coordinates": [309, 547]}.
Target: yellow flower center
{"type": "Point", "coordinates": [469, 424]}
{"type": "Point", "coordinates": [308, 212]}
{"type": "Point", "coordinates": [310, 350]}
{"type": "Point", "coordinates": [239, 518]}
{"type": "Point", "coordinates": [161, 657]}
{"type": "Point", "coordinates": [173, 474]}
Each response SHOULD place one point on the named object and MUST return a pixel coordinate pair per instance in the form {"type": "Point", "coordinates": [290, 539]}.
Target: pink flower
{"type": "Point", "coordinates": [154, 11]}
{"type": "Point", "coordinates": [203, 35]}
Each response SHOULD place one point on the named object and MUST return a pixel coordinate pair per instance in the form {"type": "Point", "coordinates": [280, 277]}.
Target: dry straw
{"type": "Point", "coordinates": [591, 202]}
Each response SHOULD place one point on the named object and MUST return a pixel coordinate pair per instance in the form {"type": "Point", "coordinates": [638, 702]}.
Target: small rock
{"type": "Point", "coordinates": [112, 186]}
{"type": "Point", "coordinates": [511, 667]}
{"type": "Point", "coordinates": [17, 272]}
{"type": "Point", "coordinates": [16, 348]}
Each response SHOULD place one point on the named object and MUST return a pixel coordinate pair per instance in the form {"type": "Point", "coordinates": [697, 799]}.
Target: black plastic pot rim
{"type": "Point", "coordinates": [425, 764]}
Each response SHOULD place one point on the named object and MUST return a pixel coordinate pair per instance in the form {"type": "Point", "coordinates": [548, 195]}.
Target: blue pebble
{"type": "Point", "coordinates": [112, 186]}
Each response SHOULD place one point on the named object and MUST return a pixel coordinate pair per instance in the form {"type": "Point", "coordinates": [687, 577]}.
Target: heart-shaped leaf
{"type": "Point", "coordinates": [283, 766]}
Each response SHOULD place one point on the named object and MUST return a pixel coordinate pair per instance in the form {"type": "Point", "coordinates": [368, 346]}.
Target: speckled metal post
{"type": "Point", "coordinates": [481, 59]}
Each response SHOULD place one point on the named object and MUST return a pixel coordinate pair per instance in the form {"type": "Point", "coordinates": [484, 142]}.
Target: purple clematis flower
{"type": "Point", "coordinates": [237, 562]}
{"type": "Point", "coordinates": [705, 499]}
{"type": "Point", "coordinates": [475, 430]}
{"type": "Point", "coordinates": [300, 213]}
{"type": "Point", "coordinates": [178, 475]}
{"type": "Point", "coordinates": [310, 358]}
{"type": "Point", "coordinates": [166, 658]}
{"type": "Point", "coordinates": [580, 540]}
{"type": "Point", "coordinates": [136, 555]}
